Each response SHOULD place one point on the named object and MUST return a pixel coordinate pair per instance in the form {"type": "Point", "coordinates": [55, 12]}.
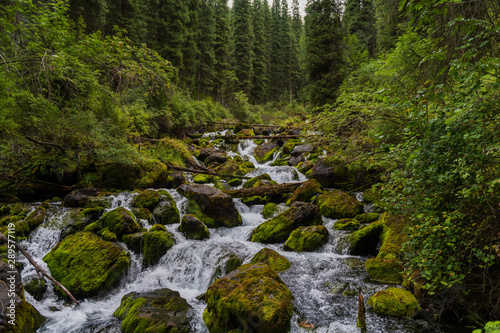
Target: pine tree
{"type": "Point", "coordinates": [324, 50]}
{"type": "Point", "coordinates": [294, 50]}
{"type": "Point", "coordinates": [222, 51]}
{"type": "Point", "coordinates": [206, 47]}
{"type": "Point", "coordinates": [260, 83]}
{"type": "Point", "coordinates": [388, 23]}
{"type": "Point", "coordinates": [93, 13]}
{"type": "Point", "coordinates": [276, 56]}
{"type": "Point", "coordinates": [359, 20]}
{"type": "Point", "coordinates": [243, 44]}
{"type": "Point", "coordinates": [190, 51]}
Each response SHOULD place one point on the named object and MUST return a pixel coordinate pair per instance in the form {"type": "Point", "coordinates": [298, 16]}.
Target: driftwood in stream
{"type": "Point", "coordinates": [263, 190]}
{"type": "Point", "coordinates": [206, 171]}
{"type": "Point", "coordinates": [361, 312]}
{"type": "Point", "coordinates": [39, 270]}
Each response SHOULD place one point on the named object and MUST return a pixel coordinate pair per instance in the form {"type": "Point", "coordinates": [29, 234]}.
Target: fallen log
{"type": "Point", "coordinates": [270, 137]}
{"type": "Point", "coordinates": [252, 125]}
{"type": "Point", "coordinates": [39, 270]}
{"type": "Point", "coordinates": [263, 190]}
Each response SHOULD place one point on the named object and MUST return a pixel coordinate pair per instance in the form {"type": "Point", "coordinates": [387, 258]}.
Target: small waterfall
{"type": "Point", "coordinates": [324, 283]}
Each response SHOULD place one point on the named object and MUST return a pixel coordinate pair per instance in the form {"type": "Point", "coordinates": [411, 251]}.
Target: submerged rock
{"type": "Point", "coordinates": [87, 265]}
{"type": "Point", "coordinates": [252, 298]}
{"type": "Point", "coordinates": [279, 228]}
{"type": "Point", "coordinates": [306, 239]}
{"type": "Point", "coordinates": [336, 204]}
{"type": "Point", "coordinates": [272, 258]}
{"type": "Point", "coordinates": [193, 228]}
{"type": "Point", "coordinates": [161, 310]}
{"type": "Point", "coordinates": [211, 206]}
{"type": "Point", "coordinates": [395, 302]}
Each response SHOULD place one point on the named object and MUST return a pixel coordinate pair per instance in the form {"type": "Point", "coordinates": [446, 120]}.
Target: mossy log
{"type": "Point", "coordinates": [263, 190]}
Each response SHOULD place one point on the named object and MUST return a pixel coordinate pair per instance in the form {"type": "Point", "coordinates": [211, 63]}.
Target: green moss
{"type": "Point", "coordinates": [336, 204]}
{"type": "Point", "coordinates": [258, 142]}
{"type": "Point", "coordinates": [98, 202]}
{"type": "Point", "coordinates": [193, 228]}
{"type": "Point", "coordinates": [232, 263]}
{"type": "Point", "coordinates": [246, 132]}
{"type": "Point", "coordinates": [143, 214]}
{"type": "Point", "coordinates": [346, 224]}
{"type": "Point", "coordinates": [36, 288]}
{"type": "Point", "coordinates": [279, 228]}
{"type": "Point", "coordinates": [490, 327]}
{"type": "Point", "coordinates": [365, 240]}
{"type": "Point", "coordinates": [235, 182]}
{"type": "Point", "coordinates": [272, 258]}
{"type": "Point", "coordinates": [146, 199]}
{"type": "Point", "coordinates": [306, 192]}
{"type": "Point", "coordinates": [134, 242]}
{"type": "Point", "coordinates": [120, 222]}
{"type": "Point", "coordinates": [86, 265]}
{"type": "Point", "coordinates": [203, 179]}
{"type": "Point", "coordinates": [93, 227]}
{"type": "Point", "coordinates": [35, 218]}
{"type": "Point", "coordinates": [156, 244]}
{"type": "Point", "coordinates": [290, 145]}
{"type": "Point", "coordinates": [255, 200]}
{"type": "Point", "coordinates": [280, 162]}
{"type": "Point", "coordinates": [107, 235]}
{"type": "Point", "coordinates": [158, 227]}
{"type": "Point", "coordinates": [371, 196]}
{"type": "Point", "coordinates": [158, 311]}
{"type": "Point", "coordinates": [252, 296]}
{"type": "Point", "coordinates": [269, 210]}
{"type": "Point", "coordinates": [153, 173]}
{"type": "Point", "coordinates": [195, 209]}
{"type": "Point", "coordinates": [367, 217]}
{"type": "Point", "coordinates": [384, 270]}
{"type": "Point", "coordinates": [306, 239]}
{"type": "Point", "coordinates": [28, 319]}
{"type": "Point", "coordinates": [166, 211]}
{"type": "Point", "coordinates": [305, 166]}
{"type": "Point", "coordinates": [395, 302]}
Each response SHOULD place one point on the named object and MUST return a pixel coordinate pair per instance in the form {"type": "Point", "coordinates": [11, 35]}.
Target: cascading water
{"type": "Point", "coordinates": [324, 283]}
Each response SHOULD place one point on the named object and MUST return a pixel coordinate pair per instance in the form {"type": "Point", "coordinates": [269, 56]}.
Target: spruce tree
{"type": "Point", "coordinates": [359, 20]}
{"type": "Point", "coordinates": [222, 50]}
{"type": "Point", "coordinates": [260, 84]}
{"type": "Point", "coordinates": [276, 56]}
{"type": "Point", "coordinates": [190, 51]}
{"type": "Point", "coordinates": [243, 44]}
{"type": "Point", "coordinates": [294, 50]}
{"type": "Point", "coordinates": [388, 23]}
{"type": "Point", "coordinates": [206, 47]}
{"type": "Point", "coordinates": [93, 13]}
{"type": "Point", "coordinates": [324, 50]}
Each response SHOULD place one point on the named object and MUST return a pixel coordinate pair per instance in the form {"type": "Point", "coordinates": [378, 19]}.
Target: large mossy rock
{"type": "Point", "coordinates": [87, 265]}
{"type": "Point", "coordinates": [119, 221]}
{"type": "Point", "coordinates": [328, 175]}
{"type": "Point", "coordinates": [346, 224]}
{"type": "Point", "coordinates": [365, 240]}
{"type": "Point", "coordinates": [306, 192]}
{"type": "Point", "coordinates": [279, 228]}
{"type": "Point", "coordinates": [146, 199]}
{"type": "Point", "coordinates": [252, 298]}
{"type": "Point", "coordinates": [265, 151]}
{"type": "Point", "coordinates": [212, 155]}
{"type": "Point", "coordinates": [490, 327]}
{"type": "Point", "coordinates": [211, 206]}
{"type": "Point", "coordinates": [80, 197]}
{"type": "Point", "coordinates": [306, 239]}
{"type": "Point", "coordinates": [24, 315]}
{"type": "Point", "coordinates": [166, 211]}
{"type": "Point", "coordinates": [161, 311]}
{"type": "Point", "coordinates": [272, 258]}
{"type": "Point", "coordinates": [252, 181]}
{"type": "Point", "coordinates": [395, 302]}
{"type": "Point", "coordinates": [235, 168]}
{"type": "Point", "coordinates": [336, 204]}
{"type": "Point", "coordinates": [156, 244]}
{"type": "Point", "coordinates": [192, 228]}
{"type": "Point", "coordinates": [388, 271]}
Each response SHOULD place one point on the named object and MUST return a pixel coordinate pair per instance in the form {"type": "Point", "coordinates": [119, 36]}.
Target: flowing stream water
{"type": "Point", "coordinates": [324, 283]}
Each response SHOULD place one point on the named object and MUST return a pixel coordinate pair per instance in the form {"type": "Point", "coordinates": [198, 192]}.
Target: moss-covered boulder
{"type": "Point", "coordinates": [367, 217]}
{"type": "Point", "coordinates": [371, 195]}
{"type": "Point", "coordinates": [17, 315]}
{"type": "Point", "coordinates": [272, 258]}
{"type": "Point", "coordinates": [79, 197]}
{"type": "Point", "coordinates": [388, 271]}
{"type": "Point", "coordinates": [146, 199]}
{"type": "Point", "coordinates": [87, 265]}
{"type": "Point", "coordinates": [395, 302]}
{"type": "Point", "coordinates": [336, 204]}
{"type": "Point", "coordinates": [156, 244]}
{"type": "Point", "coordinates": [290, 145]}
{"type": "Point", "coordinates": [153, 174]}
{"type": "Point", "coordinates": [36, 288]}
{"type": "Point", "coordinates": [119, 221]}
{"type": "Point", "coordinates": [134, 242]}
{"type": "Point", "coordinates": [252, 298]}
{"type": "Point", "coordinates": [204, 179]}
{"type": "Point", "coordinates": [328, 174]}
{"type": "Point", "coordinates": [305, 166]}
{"type": "Point", "coordinates": [35, 218]}
{"type": "Point", "coordinates": [365, 240]}
{"type": "Point", "coordinates": [161, 311]}
{"type": "Point", "coordinates": [253, 200]}
{"type": "Point", "coordinates": [193, 228]}
{"type": "Point", "coordinates": [265, 151]}
{"type": "Point", "coordinates": [270, 210]}
{"type": "Point", "coordinates": [306, 239]}
{"type": "Point", "coordinates": [235, 168]}
{"type": "Point", "coordinates": [212, 155]}
{"type": "Point", "coordinates": [252, 181]}
{"type": "Point", "coordinates": [235, 182]}
{"type": "Point", "coordinates": [279, 228]}
{"type": "Point", "coordinates": [306, 192]}
{"type": "Point", "coordinates": [166, 211]}
{"type": "Point", "coordinates": [211, 206]}
{"type": "Point", "coordinates": [232, 263]}
{"type": "Point", "coordinates": [346, 224]}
